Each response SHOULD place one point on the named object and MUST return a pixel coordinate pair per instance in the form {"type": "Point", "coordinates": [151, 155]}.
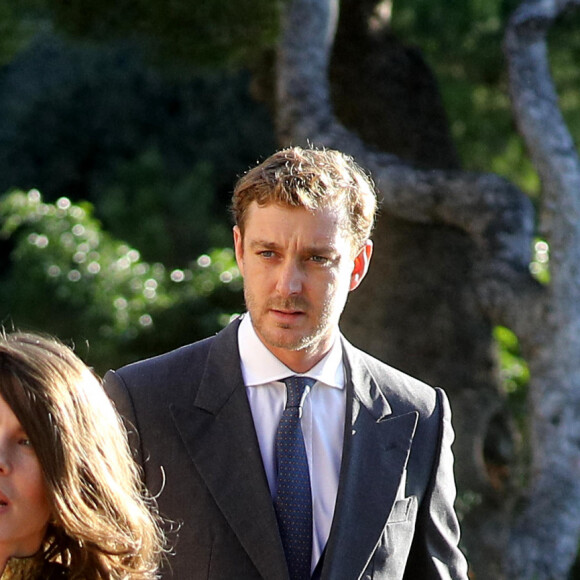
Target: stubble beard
{"type": "Point", "coordinates": [276, 337]}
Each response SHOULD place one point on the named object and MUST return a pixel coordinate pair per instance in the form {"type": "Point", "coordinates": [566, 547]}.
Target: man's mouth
{"type": "Point", "coordinates": [291, 306]}
{"type": "Point", "coordinates": [286, 313]}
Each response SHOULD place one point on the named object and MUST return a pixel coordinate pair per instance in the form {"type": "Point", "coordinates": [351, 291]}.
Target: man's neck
{"type": "Point", "coordinates": [260, 364]}
{"type": "Point", "coordinates": [299, 361]}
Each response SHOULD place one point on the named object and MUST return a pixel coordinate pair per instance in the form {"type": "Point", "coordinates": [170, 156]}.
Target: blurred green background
{"type": "Point", "coordinates": [124, 125]}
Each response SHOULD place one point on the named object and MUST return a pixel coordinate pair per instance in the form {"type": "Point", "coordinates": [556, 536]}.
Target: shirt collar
{"type": "Point", "coordinates": [260, 366]}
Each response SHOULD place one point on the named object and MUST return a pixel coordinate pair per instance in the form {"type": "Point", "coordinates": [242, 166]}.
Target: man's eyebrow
{"type": "Point", "coordinates": [323, 249]}
{"type": "Point", "coordinates": [263, 244]}
{"type": "Point", "coordinates": [315, 249]}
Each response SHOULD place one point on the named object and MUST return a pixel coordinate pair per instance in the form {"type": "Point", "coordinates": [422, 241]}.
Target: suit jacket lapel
{"type": "Point", "coordinates": [376, 449]}
{"type": "Point", "coordinates": [218, 430]}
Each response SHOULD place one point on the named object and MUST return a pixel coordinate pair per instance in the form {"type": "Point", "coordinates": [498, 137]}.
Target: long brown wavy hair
{"type": "Point", "coordinates": [103, 527]}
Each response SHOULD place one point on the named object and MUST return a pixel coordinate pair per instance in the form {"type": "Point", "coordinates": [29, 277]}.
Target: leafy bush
{"type": "Point", "coordinates": [66, 276]}
{"type": "Point", "coordinates": [156, 154]}
{"type": "Point", "coordinates": [209, 33]}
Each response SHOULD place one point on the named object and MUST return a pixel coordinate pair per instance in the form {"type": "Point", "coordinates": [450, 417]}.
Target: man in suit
{"type": "Point", "coordinates": [372, 446]}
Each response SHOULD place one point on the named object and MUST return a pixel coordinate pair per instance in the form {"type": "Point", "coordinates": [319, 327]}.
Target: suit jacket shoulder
{"type": "Point", "coordinates": [146, 391]}
{"type": "Point", "coordinates": [181, 370]}
{"type": "Point", "coordinates": [403, 392]}
{"type": "Point", "coordinates": [410, 415]}
{"type": "Point", "coordinates": [177, 364]}
{"type": "Point", "coordinates": [191, 426]}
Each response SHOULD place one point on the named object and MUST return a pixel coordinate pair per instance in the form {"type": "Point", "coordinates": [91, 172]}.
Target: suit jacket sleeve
{"type": "Point", "coordinates": [119, 394]}
{"type": "Point", "coordinates": [435, 553]}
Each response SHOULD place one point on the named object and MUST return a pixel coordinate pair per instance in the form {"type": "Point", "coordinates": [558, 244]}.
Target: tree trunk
{"type": "Point", "coordinates": [417, 309]}
{"type": "Point", "coordinates": [451, 261]}
{"type": "Point", "coordinates": [545, 533]}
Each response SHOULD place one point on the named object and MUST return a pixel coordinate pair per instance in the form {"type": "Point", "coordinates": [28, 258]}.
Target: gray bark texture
{"type": "Point", "coordinates": [452, 255]}
{"type": "Point", "coordinates": [545, 530]}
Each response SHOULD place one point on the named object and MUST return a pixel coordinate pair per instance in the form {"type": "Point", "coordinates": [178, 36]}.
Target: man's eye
{"type": "Point", "coordinates": [267, 254]}
{"type": "Point", "coordinates": [319, 259]}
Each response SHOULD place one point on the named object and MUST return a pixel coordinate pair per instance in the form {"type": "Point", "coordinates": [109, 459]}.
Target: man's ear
{"type": "Point", "coordinates": [361, 265]}
{"type": "Point", "coordinates": [239, 249]}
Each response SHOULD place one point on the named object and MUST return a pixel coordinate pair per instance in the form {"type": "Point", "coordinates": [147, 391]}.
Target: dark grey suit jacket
{"type": "Point", "coordinates": [193, 432]}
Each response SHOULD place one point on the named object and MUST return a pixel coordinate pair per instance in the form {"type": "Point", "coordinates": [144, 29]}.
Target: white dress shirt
{"type": "Point", "coordinates": [322, 421]}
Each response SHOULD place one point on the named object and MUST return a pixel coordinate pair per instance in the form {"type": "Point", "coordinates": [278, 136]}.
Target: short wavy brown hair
{"type": "Point", "coordinates": [310, 178]}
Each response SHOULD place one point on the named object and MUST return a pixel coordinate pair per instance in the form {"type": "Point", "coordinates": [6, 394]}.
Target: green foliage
{"type": "Point", "coordinates": [156, 156]}
{"type": "Point", "coordinates": [514, 370]}
{"type": "Point", "coordinates": [451, 30]}
{"type": "Point", "coordinates": [564, 44]}
{"type": "Point", "coordinates": [167, 218]}
{"type": "Point", "coordinates": [68, 277]}
{"type": "Point", "coordinates": [204, 33]}
{"type": "Point", "coordinates": [462, 41]}
{"type": "Point", "coordinates": [515, 375]}
{"type": "Point", "coordinates": [20, 20]}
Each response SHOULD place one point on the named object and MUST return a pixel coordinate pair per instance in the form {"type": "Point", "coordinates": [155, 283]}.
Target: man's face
{"type": "Point", "coordinates": [298, 268]}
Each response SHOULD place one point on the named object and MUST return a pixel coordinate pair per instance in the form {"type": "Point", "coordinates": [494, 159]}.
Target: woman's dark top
{"type": "Point", "coordinates": [33, 569]}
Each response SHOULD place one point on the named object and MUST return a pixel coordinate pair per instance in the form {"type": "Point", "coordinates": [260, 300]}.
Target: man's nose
{"type": "Point", "coordinates": [290, 278]}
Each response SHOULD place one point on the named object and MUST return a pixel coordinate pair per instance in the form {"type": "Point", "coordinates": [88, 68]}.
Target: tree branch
{"type": "Point", "coordinates": [544, 537]}
{"type": "Point", "coordinates": [551, 147]}
{"type": "Point", "coordinates": [493, 212]}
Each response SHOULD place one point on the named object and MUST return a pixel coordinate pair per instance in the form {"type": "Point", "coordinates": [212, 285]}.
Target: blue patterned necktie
{"type": "Point", "coordinates": [293, 501]}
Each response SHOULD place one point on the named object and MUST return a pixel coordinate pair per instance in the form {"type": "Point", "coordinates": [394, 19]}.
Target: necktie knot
{"type": "Point", "coordinates": [295, 387]}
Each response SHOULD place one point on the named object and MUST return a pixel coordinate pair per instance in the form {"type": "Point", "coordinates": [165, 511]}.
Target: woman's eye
{"type": "Point", "coordinates": [25, 442]}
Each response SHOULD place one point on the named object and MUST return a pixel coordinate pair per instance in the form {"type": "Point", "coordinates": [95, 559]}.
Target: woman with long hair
{"type": "Point", "coordinates": [71, 502]}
